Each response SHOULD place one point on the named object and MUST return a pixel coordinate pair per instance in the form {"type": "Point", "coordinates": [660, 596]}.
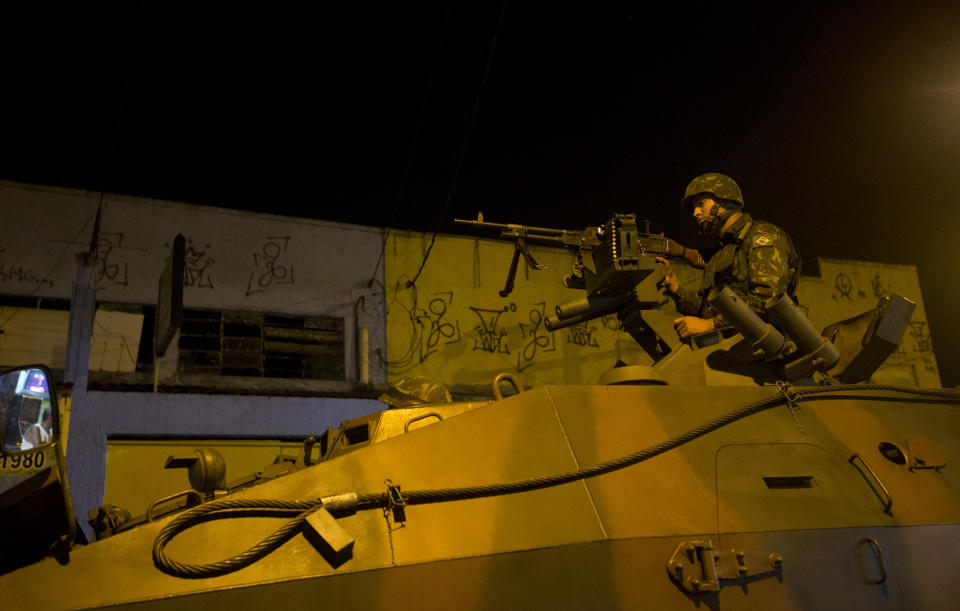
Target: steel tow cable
{"type": "Point", "coordinates": [246, 507]}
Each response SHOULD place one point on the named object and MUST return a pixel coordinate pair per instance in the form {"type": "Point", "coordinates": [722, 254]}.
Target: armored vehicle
{"type": "Point", "coordinates": [756, 468]}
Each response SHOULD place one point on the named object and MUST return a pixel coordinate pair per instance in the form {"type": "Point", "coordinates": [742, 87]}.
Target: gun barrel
{"type": "Point", "coordinates": [589, 304]}
{"type": "Point", "coordinates": [588, 308]}
{"type": "Point", "coordinates": [555, 324]}
{"type": "Point", "coordinates": [547, 231]}
{"type": "Point", "coordinates": [482, 224]}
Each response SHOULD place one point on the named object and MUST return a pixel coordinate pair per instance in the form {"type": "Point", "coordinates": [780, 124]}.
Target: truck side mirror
{"type": "Point", "coordinates": [34, 493]}
{"type": "Point", "coordinates": [28, 414]}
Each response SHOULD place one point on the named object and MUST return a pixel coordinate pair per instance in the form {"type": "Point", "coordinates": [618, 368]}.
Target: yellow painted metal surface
{"type": "Point", "coordinates": [660, 497]}
{"type": "Point", "coordinates": [823, 569]}
{"type": "Point", "coordinates": [63, 402]}
{"type": "Point", "coordinates": [816, 489]}
{"type": "Point", "coordinates": [597, 575]}
{"type": "Point", "coordinates": [136, 477]}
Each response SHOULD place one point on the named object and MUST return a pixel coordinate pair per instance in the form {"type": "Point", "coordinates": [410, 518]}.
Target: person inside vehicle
{"type": "Point", "coordinates": [756, 259]}
{"type": "Point", "coordinates": [39, 434]}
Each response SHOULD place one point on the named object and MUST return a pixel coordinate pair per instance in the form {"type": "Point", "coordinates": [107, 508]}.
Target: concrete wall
{"type": "Point", "coordinates": [234, 260]}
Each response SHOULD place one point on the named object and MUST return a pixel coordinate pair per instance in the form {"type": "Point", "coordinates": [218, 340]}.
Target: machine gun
{"type": "Point", "coordinates": [612, 260]}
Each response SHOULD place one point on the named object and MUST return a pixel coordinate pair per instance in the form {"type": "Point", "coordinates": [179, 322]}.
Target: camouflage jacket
{"type": "Point", "coordinates": [756, 259]}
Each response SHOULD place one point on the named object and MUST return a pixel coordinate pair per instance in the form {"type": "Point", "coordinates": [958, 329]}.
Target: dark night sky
{"type": "Point", "coordinates": [841, 123]}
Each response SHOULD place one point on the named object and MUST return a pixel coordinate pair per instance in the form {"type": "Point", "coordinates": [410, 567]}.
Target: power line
{"type": "Point", "coordinates": [411, 154]}
{"type": "Point", "coordinates": [466, 142]}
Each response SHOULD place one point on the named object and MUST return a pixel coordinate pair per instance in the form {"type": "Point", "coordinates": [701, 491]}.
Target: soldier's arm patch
{"type": "Point", "coordinates": [769, 267]}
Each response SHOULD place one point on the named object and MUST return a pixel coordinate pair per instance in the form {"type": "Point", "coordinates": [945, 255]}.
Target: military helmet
{"type": "Point", "coordinates": [412, 391]}
{"type": "Point", "coordinates": [720, 186]}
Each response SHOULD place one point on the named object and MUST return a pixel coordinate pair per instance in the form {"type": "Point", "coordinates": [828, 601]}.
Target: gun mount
{"type": "Point", "coordinates": [612, 259]}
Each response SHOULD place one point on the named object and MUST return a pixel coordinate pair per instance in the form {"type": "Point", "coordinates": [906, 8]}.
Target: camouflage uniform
{"type": "Point", "coordinates": [756, 259]}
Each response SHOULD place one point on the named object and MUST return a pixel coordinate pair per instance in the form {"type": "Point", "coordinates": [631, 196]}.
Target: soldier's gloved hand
{"type": "Point", "coordinates": [670, 281]}
{"type": "Point", "coordinates": [691, 325]}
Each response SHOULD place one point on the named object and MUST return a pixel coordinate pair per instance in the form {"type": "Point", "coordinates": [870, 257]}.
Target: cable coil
{"type": "Point", "coordinates": [267, 507]}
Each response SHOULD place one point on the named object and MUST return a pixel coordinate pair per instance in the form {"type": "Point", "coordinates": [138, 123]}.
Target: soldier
{"type": "Point", "coordinates": [754, 258]}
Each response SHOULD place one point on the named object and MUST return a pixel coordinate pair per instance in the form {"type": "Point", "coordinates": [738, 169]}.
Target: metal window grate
{"type": "Point", "coordinates": [261, 345]}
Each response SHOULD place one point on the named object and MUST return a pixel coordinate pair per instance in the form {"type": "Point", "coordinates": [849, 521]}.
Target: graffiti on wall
{"type": "Point", "coordinates": [426, 325]}
{"type": "Point", "coordinates": [523, 332]}
{"type": "Point", "coordinates": [435, 328]}
{"type": "Point", "coordinates": [22, 275]}
{"type": "Point", "coordinates": [491, 336]}
{"type": "Point", "coordinates": [112, 267]}
{"type": "Point", "coordinates": [921, 335]}
{"type": "Point", "coordinates": [535, 336]}
{"type": "Point", "coordinates": [582, 334]}
{"type": "Point", "coordinates": [267, 269]}
{"type": "Point", "coordinates": [880, 289]}
{"type": "Point", "coordinates": [923, 344]}
{"type": "Point", "coordinates": [844, 287]}
{"type": "Point", "coordinates": [196, 266]}
{"type": "Point", "coordinates": [611, 322]}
